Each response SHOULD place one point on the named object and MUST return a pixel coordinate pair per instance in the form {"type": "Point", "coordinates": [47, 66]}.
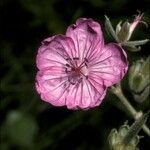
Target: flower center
{"type": "Point", "coordinates": [76, 70]}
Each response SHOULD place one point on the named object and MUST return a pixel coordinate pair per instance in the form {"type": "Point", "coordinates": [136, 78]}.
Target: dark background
{"type": "Point", "coordinates": [26, 121]}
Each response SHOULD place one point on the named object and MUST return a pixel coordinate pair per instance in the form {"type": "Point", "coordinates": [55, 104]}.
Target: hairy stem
{"type": "Point", "coordinates": [118, 92]}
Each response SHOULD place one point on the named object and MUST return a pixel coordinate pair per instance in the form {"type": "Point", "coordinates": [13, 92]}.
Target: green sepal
{"type": "Point", "coordinates": [109, 28]}
{"type": "Point", "coordinates": [135, 43]}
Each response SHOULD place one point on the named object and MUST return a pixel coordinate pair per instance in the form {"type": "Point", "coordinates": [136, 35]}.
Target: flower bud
{"type": "Point", "coordinates": [116, 139]}
{"type": "Point", "coordinates": [139, 75]}
{"type": "Point", "coordinates": [124, 32]}
{"type": "Point", "coordinates": [127, 28]}
{"type": "Point", "coordinates": [126, 138]}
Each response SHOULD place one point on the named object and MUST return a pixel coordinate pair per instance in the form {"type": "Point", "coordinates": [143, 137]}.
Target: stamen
{"type": "Point", "coordinates": [80, 80]}
{"type": "Point", "coordinates": [68, 65]}
{"type": "Point", "coordinates": [75, 58]}
{"type": "Point", "coordinates": [85, 59]}
{"type": "Point", "coordinates": [76, 72]}
{"type": "Point", "coordinates": [73, 69]}
{"type": "Point", "coordinates": [68, 59]}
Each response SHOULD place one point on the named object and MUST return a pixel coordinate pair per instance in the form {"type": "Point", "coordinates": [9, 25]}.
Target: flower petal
{"type": "Point", "coordinates": [54, 88]}
{"type": "Point", "coordinates": [55, 51]}
{"type": "Point", "coordinates": [87, 37]}
{"type": "Point", "coordinates": [84, 96]}
{"type": "Point", "coordinates": [111, 65]}
{"type": "Point", "coordinates": [52, 85]}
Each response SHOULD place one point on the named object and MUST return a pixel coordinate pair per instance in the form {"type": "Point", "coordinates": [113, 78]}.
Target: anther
{"type": "Point", "coordinates": [85, 59]}
{"type": "Point", "coordinates": [75, 58]}
{"type": "Point", "coordinates": [68, 65]}
{"type": "Point", "coordinates": [68, 58]}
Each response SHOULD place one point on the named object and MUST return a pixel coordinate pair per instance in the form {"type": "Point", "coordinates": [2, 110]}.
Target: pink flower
{"type": "Point", "coordinates": [76, 69]}
{"type": "Point", "coordinates": [133, 25]}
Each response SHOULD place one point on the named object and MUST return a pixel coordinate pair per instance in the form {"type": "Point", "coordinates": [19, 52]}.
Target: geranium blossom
{"type": "Point", "coordinates": [76, 69]}
{"type": "Point", "coordinates": [133, 25]}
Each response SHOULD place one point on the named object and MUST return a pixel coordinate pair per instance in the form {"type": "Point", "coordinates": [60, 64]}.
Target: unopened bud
{"type": "Point", "coordinates": [123, 34]}
{"type": "Point", "coordinates": [134, 24]}
{"type": "Point", "coordinates": [124, 31]}
{"type": "Point", "coordinates": [116, 139]}
{"type": "Point", "coordinates": [139, 75]}
{"type": "Point", "coordinates": [126, 138]}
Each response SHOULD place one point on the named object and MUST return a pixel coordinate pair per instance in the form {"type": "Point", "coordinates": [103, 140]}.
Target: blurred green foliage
{"type": "Point", "coordinates": [26, 121]}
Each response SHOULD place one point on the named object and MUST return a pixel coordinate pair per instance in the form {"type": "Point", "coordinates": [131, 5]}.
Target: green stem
{"type": "Point", "coordinates": [118, 92]}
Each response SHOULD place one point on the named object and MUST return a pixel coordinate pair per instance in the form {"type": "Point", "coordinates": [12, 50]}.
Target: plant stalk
{"type": "Point", "coordinates": [118, 92]}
